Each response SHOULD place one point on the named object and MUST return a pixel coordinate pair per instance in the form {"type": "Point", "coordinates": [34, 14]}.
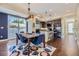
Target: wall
{"type": "Point", "coordinates": [3, 26]}
{"type": "Point", "coordinates": [64, 20]}
{"type": "Point", "coordinates": [69, 42]}
{"type": "Point", "coordinates": [77, 26]}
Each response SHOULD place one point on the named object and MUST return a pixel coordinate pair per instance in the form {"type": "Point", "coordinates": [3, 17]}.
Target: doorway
{"type": "Point", "coordinates": [70, 42]}
{"type": "Point", "coordinates": [57, 28]}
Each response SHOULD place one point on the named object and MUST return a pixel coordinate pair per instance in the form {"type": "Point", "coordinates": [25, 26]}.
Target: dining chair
{"type": "Point", "coordinates": [38, 40]}
{"type": "Point", "coordinates": [22, 41]}
{"type": "Point", "coordinates": [21, 38]}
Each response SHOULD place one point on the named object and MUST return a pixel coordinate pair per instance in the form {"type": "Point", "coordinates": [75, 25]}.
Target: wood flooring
{"type": "Point", "coordinates": [57, 43]}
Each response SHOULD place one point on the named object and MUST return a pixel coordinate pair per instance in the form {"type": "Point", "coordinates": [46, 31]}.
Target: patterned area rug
{"type": "Point", "coordinates": [34, 50]}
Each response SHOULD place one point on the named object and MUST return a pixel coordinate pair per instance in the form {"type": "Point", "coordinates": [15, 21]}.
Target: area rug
{"type": "Point", "coordinates": [14, 51]}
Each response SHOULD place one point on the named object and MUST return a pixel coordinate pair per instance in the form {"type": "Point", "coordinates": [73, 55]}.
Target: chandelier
{"type": "Point", "coordinates": [29, 8]}
{"type": "Point", "coordinates": [29, 12]}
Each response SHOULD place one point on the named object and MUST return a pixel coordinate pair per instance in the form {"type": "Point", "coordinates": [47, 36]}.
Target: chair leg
{"type": "Point", "coordinates": [16, 41]}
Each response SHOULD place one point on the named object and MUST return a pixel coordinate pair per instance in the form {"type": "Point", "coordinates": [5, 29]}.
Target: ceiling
{"type": "Point", "coordinates": [54, 9]}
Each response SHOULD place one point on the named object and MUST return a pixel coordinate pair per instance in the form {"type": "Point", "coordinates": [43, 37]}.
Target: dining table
{"type": "Point", "coordinates": [31, 36]}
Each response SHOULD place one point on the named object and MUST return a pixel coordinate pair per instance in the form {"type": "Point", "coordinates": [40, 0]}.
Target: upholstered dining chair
{"type": "Point", "coordinates": [38, 40]}
{"type": "Point", "coordinates": [22, 41]}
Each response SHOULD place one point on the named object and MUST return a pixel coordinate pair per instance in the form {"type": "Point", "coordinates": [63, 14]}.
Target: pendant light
{"type": "Point", "coordinates": [29, 9]}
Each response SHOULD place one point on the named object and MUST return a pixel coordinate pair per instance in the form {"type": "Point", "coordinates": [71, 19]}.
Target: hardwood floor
{"type": "Point", "coordinates": [58, 44]}
{"type": "Point", "coordinates": [64, 50]}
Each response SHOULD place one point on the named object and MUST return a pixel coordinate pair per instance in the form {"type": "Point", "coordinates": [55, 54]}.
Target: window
{"type": "Point", "coordinates": [15, 25]}
{"type": "Point", "coordinates": [22, 25]}
{"type": "Point", "coordinates": [70, 27]}
{"type": "Point", "coordinates": [12, 26]}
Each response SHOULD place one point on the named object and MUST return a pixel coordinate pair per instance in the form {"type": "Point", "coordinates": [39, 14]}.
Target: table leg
{"type": "Point", "coordinates": [28, 47]}
{"type": "Point", "coordinates": [16, 41]}
{"type": "Point", "coordinates": [44, 42]}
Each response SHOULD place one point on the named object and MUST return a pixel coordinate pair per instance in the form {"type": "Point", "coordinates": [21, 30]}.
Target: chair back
{"type": "Point", "coordinates": [38, 40]}
{"type": "Point", "coordinates": [17, 35]}
{"type": "Point", "coordinates": [21, 38]}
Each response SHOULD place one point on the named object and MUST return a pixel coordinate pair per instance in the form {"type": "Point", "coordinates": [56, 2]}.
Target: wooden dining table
{"type": "Point", "coordinates": [30, 37]}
